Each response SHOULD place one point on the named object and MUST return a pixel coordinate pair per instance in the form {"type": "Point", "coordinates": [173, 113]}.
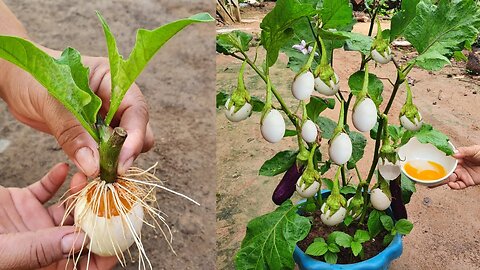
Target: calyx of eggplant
{"type": "Point", "coordinates": [355, 206]}
{"type": "Point", "coordinates": [324, 70]}
{"type": "Point", "coordinates": [409, 109]}
{"type": "Point", "coordinates": [310, 175]}
{"type": "Point", "coordinates": [380, 44]}
{"type": "Point", "coordinates": [340, 124]}
{"type": "Point", "coordinates": [335, 200]}
{"type": "Point", "coordinates": [240, 95]}
{"type": "Point", "coordinates": [388, 151]}
{"type": "Point", "coordinates": [364, 92]}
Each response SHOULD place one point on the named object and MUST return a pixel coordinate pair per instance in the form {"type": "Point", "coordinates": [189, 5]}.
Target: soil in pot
{"type": "Point", "coordinates": [345, 256]}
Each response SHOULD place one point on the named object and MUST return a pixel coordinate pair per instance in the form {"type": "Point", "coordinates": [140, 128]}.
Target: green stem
{"type": "Point", "coordinates": [340, 124]}
{"type": "Point", "coordinates": [344, 178]}
{"type": "Point", "coordinates": [336, 188]}
{"type": "Point", "coordinates": [274, 91]}
{"type": "Point", "coordinates": [109, 150]}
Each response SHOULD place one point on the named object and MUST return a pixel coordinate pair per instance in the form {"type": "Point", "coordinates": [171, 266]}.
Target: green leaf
{"type": "Point", "coordinates": [66, 79]}
{"type": "Point", "coordinates": [374, 224]}
{"type": "Point", "coordinates": [222, 98]}
{"type": "Point", "coordinates": [330, 257]}
{"type": "Point", "coordinates": [348, 220]}
{"type": "Point", "coordinates": [375, 86]}
{"type": "Point", "coordinates": [403, 226]}
{"type": "Point", "coordinates": [437, 32]}
{"type": "Point", "coordinates": [317, 249]}
{"type": "Point", "coordinates": [279, 163]}
{"type": "Point", "coordinates": [336, 14]}
{"type": "Point", "coordinates": [328, 183]}
{"type": "Point", "coordinates": [327, 126]}
{"type": "Point", "coordinates": [408, 188]}
{"type": "Point", "coordinates": [317, 105]}
{"type": "Point", "coordinates": [402, 18]}
{"type": "Point", "coordinates": [361, 236]}
{"type": "Point", "coordinates": [459, 56]}
{"type": "Point", "coordinates": [290, 133]}
{"type": "Point", "coordinates": [342, 239]}
{"type": "Point", "coordinates": [356, 248]}
{"type": "Point", "coordinates": [427, 134]}
{"type": "Point", "coordinates": [387, 222]}
{"type": "Point", "coordinates": [358, 145]}
{"type": "Point", "coordinates": [270, 239]}
{"type": "Point", "coordinates": [332, 247]}
{"type": "Point", "coordinates": [233, 42]}
{"type": "Point", "coordinates": [358, 42]}
{"type": "Point", "coordinates": [277, 26]}
{"type": "Point", "coordinates": [348, 190]}
{"type": "Point", "coordinates": [387, 239]}
{"type": "Point", "coordinates": [125, 71]}
{"type": "Point", "coordinates": [257, 104]}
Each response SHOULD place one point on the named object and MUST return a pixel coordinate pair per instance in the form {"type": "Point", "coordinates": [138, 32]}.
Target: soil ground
{"type": "Point", "coordinates": [178, 85]}
{"type": "Point", "coordinates": [446, 232]}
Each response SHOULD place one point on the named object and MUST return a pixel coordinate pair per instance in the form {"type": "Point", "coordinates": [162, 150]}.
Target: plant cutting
{"type": "Point", "coordinates": [111, 209]}
{"type": "Point", "coordinates": [353, 211]}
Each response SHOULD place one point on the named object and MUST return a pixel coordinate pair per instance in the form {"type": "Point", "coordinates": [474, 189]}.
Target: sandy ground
{"type": "Point", "coordinates": [446, 228]}
{"type": "Point", "coordinates": [178, 85]}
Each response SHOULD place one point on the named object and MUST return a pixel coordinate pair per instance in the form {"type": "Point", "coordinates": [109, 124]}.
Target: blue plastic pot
{"type": "Point", "coordinates": [381, 261]}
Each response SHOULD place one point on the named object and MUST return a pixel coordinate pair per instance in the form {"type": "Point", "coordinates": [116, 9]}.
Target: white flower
{"type": "Point", "coordinates": [302, 47]}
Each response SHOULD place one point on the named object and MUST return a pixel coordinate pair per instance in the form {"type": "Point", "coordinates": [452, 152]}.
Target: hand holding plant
{"type": "Point", "coordinates": [467, 172]}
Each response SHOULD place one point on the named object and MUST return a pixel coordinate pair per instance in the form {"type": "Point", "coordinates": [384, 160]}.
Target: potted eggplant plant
{"type": "Point", "coordinates": [357, 221]}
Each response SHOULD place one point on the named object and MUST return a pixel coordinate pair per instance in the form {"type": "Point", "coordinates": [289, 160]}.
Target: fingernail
{"type": "Point", "coordinates": [86, 161]}
{"type": "Point", "coordinates": [72, 243]}
{"type": "Point", "coordinates": [455, 151]}
{"type": "Point", "coordinates": [125, 166]}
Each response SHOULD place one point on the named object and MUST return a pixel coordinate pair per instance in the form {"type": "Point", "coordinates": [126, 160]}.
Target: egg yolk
{"type": "Point", "coordinates": [425, 170]}
{"type": "Point", "coordinates": [107, 205]}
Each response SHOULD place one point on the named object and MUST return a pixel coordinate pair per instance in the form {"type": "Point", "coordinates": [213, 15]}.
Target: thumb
{"type": "Point", "coordinates": [75, 141]}
{"type": "Point", "coordinates": [468, 152]}
{"type": "Point", "coordinates": [32, 250]}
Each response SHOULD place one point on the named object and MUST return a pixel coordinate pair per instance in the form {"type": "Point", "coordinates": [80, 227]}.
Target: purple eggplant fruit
{"type": "Point", "coordinates": [286, 187]}
{"type": "Point", "coordinates": [398, 207]}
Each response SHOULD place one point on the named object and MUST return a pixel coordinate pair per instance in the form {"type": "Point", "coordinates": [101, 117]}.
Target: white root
{"type": "Point", "coordinates": [135, 189]}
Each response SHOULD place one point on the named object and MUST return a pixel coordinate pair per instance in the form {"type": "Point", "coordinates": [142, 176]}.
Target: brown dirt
{"type": "Point", "coordinates": [345, 256]}
{"type": "Point", "coordinates": [178, 85]}
{"type": "Point", "coordinates": [446, 233]}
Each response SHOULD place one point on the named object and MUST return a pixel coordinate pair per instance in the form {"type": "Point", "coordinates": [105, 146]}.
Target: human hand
{"type": "Point", "coordinates": [31, 104]}
{"type": "Point", "coordinates": [30, 234]}
{"type": "Point", "coordinates": [467, 172]}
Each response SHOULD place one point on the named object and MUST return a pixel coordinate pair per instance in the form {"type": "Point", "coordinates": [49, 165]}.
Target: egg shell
{"type": "Point", "coordinates": [108, 236]}
{"type": "Point", "coordinates": [379, 200]}
{"type": "Point", "coordinates": [307, 192]}
{"type": "Point", "coordinates": [240, 115]}
{"type": "Point", "coordinates": [335, 219]}
{"type": "Point", "coordinates": [409, 125]}
{"type": "Point", "coordinates": [340, 149]}
{"type": "Point", "coordinates": [382, 59]}
{"type": "Point", "coordinates": [388, 170]}
{"type": "Point", "coordinates": [303, 85]}
{"type": "Point", "coordinates": [364, 116]}
{"type": "Point", "coordinates": [309, 131]}
{"type": "Point", "coordinates": [327, 90]}
{"type": "Point", "coordinates": [273, 126]}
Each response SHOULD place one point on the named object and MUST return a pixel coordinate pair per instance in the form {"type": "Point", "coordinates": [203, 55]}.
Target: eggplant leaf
{"type": "Point", "coordinates": [270, 239]}
{"type": "Point", "coordinates": [235, 41]}
{"type": "Point", "coordinates": [437, 31]}
{"type": "Point", "coordinates": [358, 144]}
{"type": "Point", "coordinates": [375, 86]}
{"type": "Point", "coordinates": [427, 134]}
{"type": "Point", "coordinates": [337, 14]}
{"type": "Point", "coordinates": [66, 79]}
{"type": "Point", "coordinates": [402, 18]}
{"type": "Point", "coordinates": [148, 42]}
{"type": "Point", "coordinates": [279, 163]}
{"type": "Point", "coordinates": [317, 105]}
{"type": "Point", "coordinates": [277, 26]}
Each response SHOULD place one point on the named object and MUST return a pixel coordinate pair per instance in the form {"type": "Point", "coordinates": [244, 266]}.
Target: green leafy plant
{"type": "Point", "coordinates": [110, 209]}
{"type": "Point", "coordinates": [309, 32]}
